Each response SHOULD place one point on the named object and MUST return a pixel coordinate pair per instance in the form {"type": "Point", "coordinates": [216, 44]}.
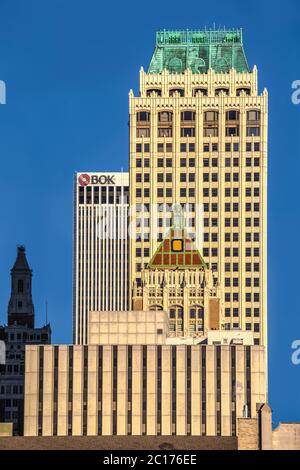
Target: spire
{"type": "Point", "coordinates": [20, 307]}
{"type": "Point", "coordinates": [21, 262]}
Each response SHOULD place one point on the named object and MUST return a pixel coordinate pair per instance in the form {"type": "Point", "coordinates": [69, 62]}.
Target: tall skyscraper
{"type": "Point", "coordinates": [19, 332]}
{"type": "Point", "coordinates": [198, 137]}
{"type": "Point", "coordinates": [100, 246]}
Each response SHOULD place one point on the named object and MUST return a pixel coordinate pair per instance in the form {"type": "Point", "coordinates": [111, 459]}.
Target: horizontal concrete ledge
{"type": "Point", "coordinates": [119, 443]}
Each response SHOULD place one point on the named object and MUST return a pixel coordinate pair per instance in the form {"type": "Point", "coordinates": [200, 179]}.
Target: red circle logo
{"type": "Point", "coordinates": [84, 179]}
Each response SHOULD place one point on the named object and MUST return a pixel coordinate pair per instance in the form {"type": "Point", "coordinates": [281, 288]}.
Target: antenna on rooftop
{"type": "Point", "coordinates": [46, 312]}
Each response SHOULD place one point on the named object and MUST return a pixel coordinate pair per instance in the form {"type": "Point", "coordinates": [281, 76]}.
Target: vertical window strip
{"type": "Point", "coordinates": [233, 389]}
{"type": "Point", "coordinates": [218, 389]}
{"type": "Point", "coordinates": [55, 391]}
{"type": "Point", "coordinates": [100, 388]}
{"type": "Point", "coordinates": [70, 392]}
{"type": "Point", "coordinates": [159, 390]}
{"type": "Point", "coordinates": [115, 388]}
{"type": "Point", "coordinates": [173, 397]}
{"type": "Point", "coordinates": [144, 396]}
{"type": "Point", "coordinates": [189, 389]}
{"type": "Point", "coordinates": [203, 389]}
{"type": "Point", "coordinates": [248, 380]}
{"type": "Point", "coordinates": [41, 390]}
{"type": "Point", "coordinates": [129, 390]}
{"type": "Point", "coordinates": [85, 389]}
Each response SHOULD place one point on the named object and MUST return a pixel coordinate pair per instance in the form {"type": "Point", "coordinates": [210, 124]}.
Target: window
{"type": "Point", "coordinates": [155, 91]}
{"type": "Point", "coordinates": [206, 148]}
{"type": "Point", "coordinates": [143, 116]}
{"type": "Point", "coordinates": [187, 132]}
{"type": "Point", "coordinates": [227, 147]}
{"type": "Point", "coordinates": [239, 91]}
{"type": "Point", "coordinates": [218, 91]}
{"type": "Point", "coordinates": [188, 116]}
{"type": "Point", "coordinates": [253, 115]}
{"type": "Point", "coordinates": [138, 148]}
{"type": "Point", "coordinates": [253, 131]}
{"type": "Point", "coordinates": [165, 116]}
{"type": "Point", "coordinates": [160, 147]}
{"type": "Point", "coordinates": [232, 115]}
{"type": "Point", "coordinates": [182, 147]}
{"type": "Point", "coordinates": [176, 90]}
{"type": "Point", "coordinates": [200, 91]}
{"type": "Point", "coordinates": [232, 131]}
{"type": "Point", "coordinates": [143, 132]}
{"type": "Point", "coordinates": [20, 286]}
{"type": "Point", "coordinates": [210, 132]}
{"type": "Point", "coordinates": [164, 132]}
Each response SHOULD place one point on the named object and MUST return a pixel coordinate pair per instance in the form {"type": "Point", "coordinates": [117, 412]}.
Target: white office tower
{"type": "Point", "coordinates": [100, 247]}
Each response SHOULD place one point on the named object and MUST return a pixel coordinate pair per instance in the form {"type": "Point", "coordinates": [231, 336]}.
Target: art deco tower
{"type": "Point", "coordinates": [198, 136]}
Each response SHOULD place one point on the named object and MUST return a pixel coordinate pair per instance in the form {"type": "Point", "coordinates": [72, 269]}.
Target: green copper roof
{"type": "Point", "coordinates": [220, 50]}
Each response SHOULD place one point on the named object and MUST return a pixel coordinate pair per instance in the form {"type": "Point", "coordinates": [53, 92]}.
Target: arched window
{"type": "Point", "coordinates": [155, 308]}
{"type": "Point", "coordinates": [178, 90]}
{"type": "Point", "coordinates": [156, 91]}
{"type": "Point", "coordinates": [239, 91]}
{"type": "Point", "coordinates": [176, 320]}
{"type": "Point", "coordinates": [165, 124]}
{"type": "Point", "coordinates": [200, 91]}
{"type": "Point", "coordinates": [143, 124]}
{"type": "Point", "coordinates": [196, 320]}
{"type": "Point", "coordinates": [218, 91]}
{"type": "Point", "coordinates": [253, 123]}
{"type": "Point", "coordinates": [211, 124]}
{"type": "Point", "coordinates": [232, 123]}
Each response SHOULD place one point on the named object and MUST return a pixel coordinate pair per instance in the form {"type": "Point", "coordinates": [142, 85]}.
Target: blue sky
{"type": "Point", "coordinates": [68, 66]}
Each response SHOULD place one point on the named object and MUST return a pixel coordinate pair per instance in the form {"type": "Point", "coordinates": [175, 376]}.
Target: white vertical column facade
{"type": "Point", "coordinates": [100, 247]}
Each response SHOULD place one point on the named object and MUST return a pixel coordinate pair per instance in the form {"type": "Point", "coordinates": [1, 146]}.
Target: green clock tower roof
{"type": "Point", "coordinates": [220, 50]}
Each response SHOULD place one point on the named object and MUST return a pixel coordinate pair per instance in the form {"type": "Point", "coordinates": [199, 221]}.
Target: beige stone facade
{"type": "Point", "coordinates": [200, 139]}
{"type": "Point", "coordinates": [128, 327]}
{"type": "Point", "coordinates": [189, 296]}
{"type": "Point", "coordinates": [141, 390]}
